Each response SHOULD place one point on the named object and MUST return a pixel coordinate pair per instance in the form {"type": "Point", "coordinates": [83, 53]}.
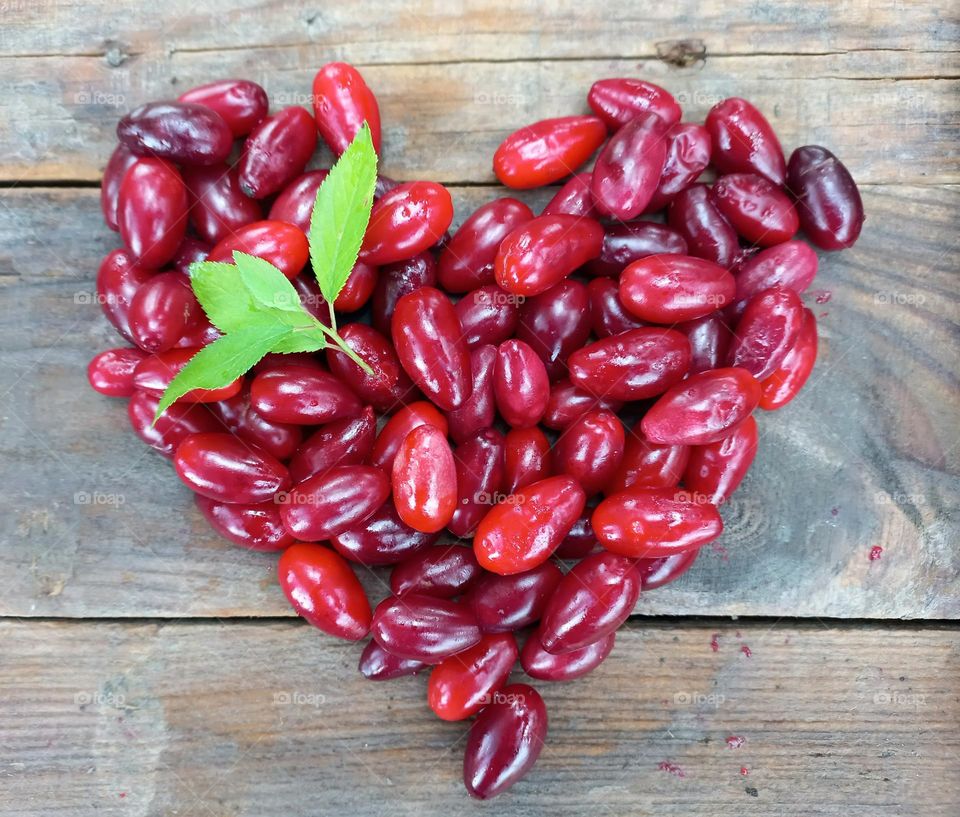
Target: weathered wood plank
{"type": "Point", "coordinates": [252, 719]}
{"type": "Point", "coordinates": [94, 525]}
{"type": "Point", "coordinates": [426, 30]}
{"type": "Point", "coordinates": [443, 122]}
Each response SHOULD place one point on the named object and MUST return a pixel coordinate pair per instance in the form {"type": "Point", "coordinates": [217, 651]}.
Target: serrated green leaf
{"type": "Point", "coordinates": [222, 362]}
{"type": "Point", "coordinates": [266, 283]}
{"type": "Point", "coordinates": [221, 292]}
{"type": "Point", "coordinates": [341, 213]}
{"type": "Point", "coordinates": [309, 341]}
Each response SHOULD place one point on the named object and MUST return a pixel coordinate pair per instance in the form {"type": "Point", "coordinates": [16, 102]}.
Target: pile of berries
{"type": "Point", "coordinates": [576, 385]}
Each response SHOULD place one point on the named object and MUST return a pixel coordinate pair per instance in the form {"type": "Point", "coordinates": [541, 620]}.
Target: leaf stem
{"type": "Point", "coordinates": [333, 316]}
{"type": "Point", "coordinates": [332, 334]}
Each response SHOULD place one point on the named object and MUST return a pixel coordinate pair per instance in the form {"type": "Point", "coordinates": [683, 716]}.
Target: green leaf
{"type": "Point", "coordinates": [267, 284]}
{"type": "Point", "coordinates": [221, 292]}
{"type": "Point", "coordinates": [341, 213]}
{"type": "Point", "coordinates": [312, 340]}
{"type": "Point", "coordinates": [222, 362]}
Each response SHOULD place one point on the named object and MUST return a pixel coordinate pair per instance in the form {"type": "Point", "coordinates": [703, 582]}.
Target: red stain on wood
{"type": "Point", "coordinates": [746, 651]}
{"type": "Point", "coordinates": [875, 553]}
{"type": "Point", "coordinates": [671, 768]}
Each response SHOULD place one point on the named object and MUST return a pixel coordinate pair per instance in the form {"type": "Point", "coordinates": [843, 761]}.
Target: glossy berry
{"type": "Point", "coordinates": [590, 449]}
{"type": "Point", "coordinates": [255, 527]}
{"type": "Point", "coordinates": [461, 685]}
{"type": "Point", "coordinates": [784, 383]}
{"type": "Point", "coordinates": [333, 501]}
{"type": "Point", "coordinates": [181, 132]}
{"type": "Point", "coordinates": [161, 310]}
{"type": "Point", "coordinates": [555, 323]}
{"type": "Point", "coordinates": [342, 442]}
{"type": "Point", "coordinates": [467, 258]}
{"type": "Point", "coordinates": [590, 602]}
{"type": "Point", "coordinates": [487, 315]}
{"type": "Point", "coordinates": [710, 338]}
{"type": "Point", "coordinates": [241, 103]}
{"type": "Point", "coordinates": [276, 152]}
{"type": "Point", "coordinates": [688, 154]}
{"type": "Point", "coordinates": [743, 141]}
{"type": "Point", "coordinates": [430, 344]}
{"type": "Point", "coordinates": [111, 372]}
{"type": "Point", "coordinates": [504, 741]}
{"type": "Point", "coordinates": [218, 207]}
{"type": "Point", "coordinates": [424, 628]}
{"type": "Point", "coordinates": [694, 214]}
{"type": "Point", "coordinates": [618, 101]}
{"type": "Point", "coordinates": [425, 480]}
{"type": "Point", "coordinates": [223, 468]}
{"type": "Point", "coordinates": [716, 470]}
{"type": "Point", "coordinates": [520, 384]}
{"type": "Point", "coordinates": [376, 664]}
{"type": "Point", "coordinates": [283, 245]}
{"type": "Point", "coordinates": [389, 386]}
{"type": "Point", "coordinates": [548, 150]}
{"type": "Point", "coordinates": [323, 589]}
{"type": "Point", "coordinates": [624, 243]}
{"type": "Point", "coordinates": [703, 408]}
{"type": "Point", "coordinates": [294, 204]}
{"type": "Point", "coordinates": [569, 403]}
{"type": "Point", "coordinates": [397, 280]}
{"type": "Point", "coordinates": [480, 463]}
{"type": "Point", "coordinates": [791, 265]}
{"type": "Point", "coordinates": [119, 163]}
{"type": "Point", "coordinates": [173, 426]}
{"type": "Point", "coordinates": [634, 365]}
{"type": "Point", "coordinates": [545, 666]}
{"type": "Point", "coordinates": [406, 221]}
{"type": "Point", "coordinates": [628, 169]}
{"type": "Point", "coordinates": [574, 198]}
{"type": "Point", "coordinates": [478, 411]}
{"type": "Point", "coordinates": [658, 572]}
{"type": "Point", "coordinates": [541, 253]}
{"type": "Point", "coordinates": [503, 604]}
{"type": "Point", "coordinates": [523, 530]}
{"type": "Point", "coordinates": [154, 373]}
{"type": "Point", "coordinates": [302, 395]}
{"type": "Point", "coordinates": [381, 539]}
{"type": "Point", "coordinates": [342, 102]}
{"type": "Point", "coordinates": [758, 210]}
{"type": "Point", "coordinates": [607, 312]}
{"type": "Point", "coordinates": [647, 465]}
{"type": "Point", "coordinates": [668, 289]}
{"type": "Point", "coordinates": [527, 458]}
{"type": "Point", "coordinates": [152, 211]}
{"type": "Point", "coordinates": [828, 201]}
{"type": "Point", "coordinates": [653, 522]}
{"type": "Point", "coordinates": [443, 571]}
{"type": "Point", "coordinates": [397, 428]}
{"type": "Point", "coordinates": [766, 331]}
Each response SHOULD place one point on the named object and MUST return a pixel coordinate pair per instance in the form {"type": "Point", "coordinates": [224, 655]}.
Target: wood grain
{"type": "Point", "coordinates": [891, 117]}
{"type": "Point", "coordinates": [250, 719]}
{"type": "Point", "coordinates": [432, 31]}
{"type": "Point", "coordinates": [96, 525]}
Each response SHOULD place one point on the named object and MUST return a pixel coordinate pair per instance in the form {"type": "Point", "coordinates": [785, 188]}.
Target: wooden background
{"type": "Point", "coordinates": [149, 668]}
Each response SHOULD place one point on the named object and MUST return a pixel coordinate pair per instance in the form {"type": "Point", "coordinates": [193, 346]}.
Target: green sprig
{"type": "Point", "coordinates": [254, 305]}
